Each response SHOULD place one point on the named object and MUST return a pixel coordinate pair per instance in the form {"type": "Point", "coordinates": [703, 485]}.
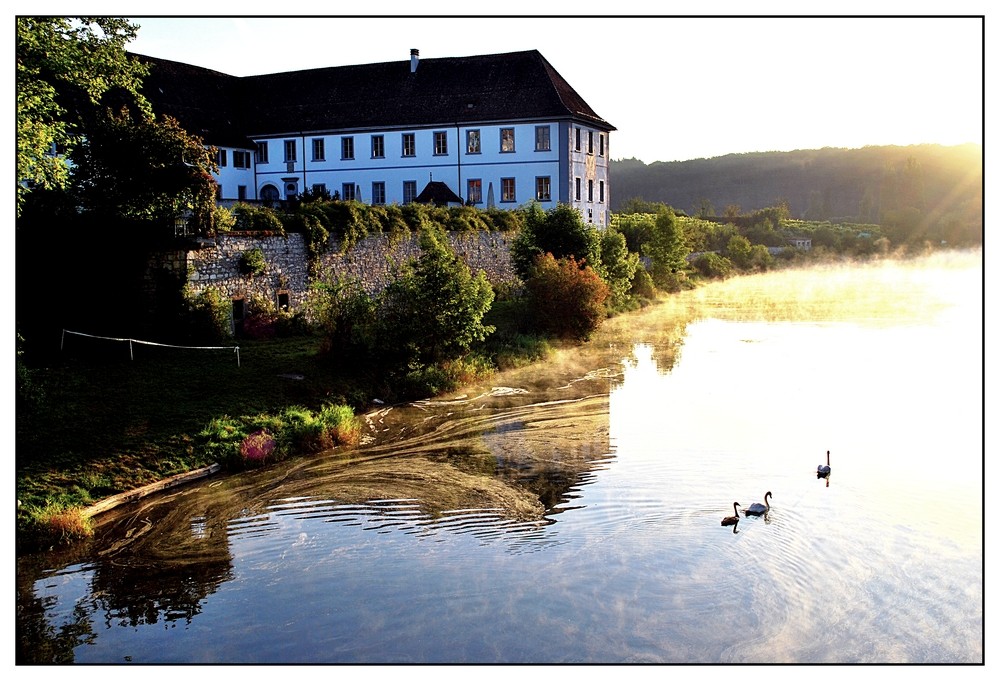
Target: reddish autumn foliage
{"type": "Point", "coordinates": [567, 299]}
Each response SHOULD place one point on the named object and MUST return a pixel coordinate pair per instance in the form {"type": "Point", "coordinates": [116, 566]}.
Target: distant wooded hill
{"type": "Point", "coordinates": [928, 183]}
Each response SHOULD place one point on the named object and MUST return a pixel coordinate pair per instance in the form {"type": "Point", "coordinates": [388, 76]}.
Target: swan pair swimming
{"type": "Point", "coordinates": [753, 509]}
{"type": "Point", "coordinates": [762, 509]}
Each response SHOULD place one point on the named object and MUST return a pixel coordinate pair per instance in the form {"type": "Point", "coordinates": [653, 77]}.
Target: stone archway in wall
{"type": "Point", "coordinates": [270, 193]}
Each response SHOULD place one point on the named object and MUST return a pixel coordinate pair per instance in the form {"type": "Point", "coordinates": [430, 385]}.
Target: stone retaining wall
{"type": "Point", "coordinates": [372, 262]}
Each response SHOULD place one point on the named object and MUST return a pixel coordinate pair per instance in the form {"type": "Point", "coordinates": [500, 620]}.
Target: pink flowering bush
{"type": "Point", "coordinates": [257, 447]}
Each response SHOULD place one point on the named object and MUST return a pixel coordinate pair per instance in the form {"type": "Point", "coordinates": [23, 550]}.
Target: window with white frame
{"type": "Point", "coordinates": [440, 144]}
{"type": "Point", "coordinates": [507, 192]}
{"type": "Point", "coordinates": [220, 158]}
{"type": "Point", "coordinates": [348, 191]}
{"type": "Point", "coordinates": [319, 149]}
{"type": "Point", "coordinates": [378, 193]}
{"type": "Point", "coordinates": [347, 148]}
{"type": "Point", "coordinates": [409, 191]}
{"type": "Point", "coordinates": [290, 155]}
{"type": "Point", "coordinates": [475, 191]}
{"type": "Point", "coordinates": [472, 142]}
{"type": "Point", "coordinates": [409, 144]}
{"type": "Point", "coordinates": [543, 188]}
{"type": "Point", "coordinates": [378, 146]}
{"type": "Point", "coordinates": [262, 152]}
{"type": "Point", "coordinates": [241, 159]}
{"type": "Point", "coordinates": [542, 138]}
{"type": "Point", "coordinates": [506, 140]}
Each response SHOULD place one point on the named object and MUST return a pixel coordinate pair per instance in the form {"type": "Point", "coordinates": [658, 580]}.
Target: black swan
{"type": "Point", "coordinates": [732, 519]}
{"type": "Point", "coordinates": [759, 509]}
{"type": "Point", "coordinates": [821, 470]}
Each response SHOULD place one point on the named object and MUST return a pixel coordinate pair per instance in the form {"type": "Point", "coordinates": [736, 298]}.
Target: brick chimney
{"type": "Point", "coordinates": [414, 59]}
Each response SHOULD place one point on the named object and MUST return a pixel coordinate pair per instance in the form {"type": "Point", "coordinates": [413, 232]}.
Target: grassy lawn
{"type": "Point", "coordinates": [108, 423]}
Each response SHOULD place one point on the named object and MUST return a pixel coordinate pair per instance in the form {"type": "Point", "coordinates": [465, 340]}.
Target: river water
{"type": "Point", "coordinates": [571, 512]}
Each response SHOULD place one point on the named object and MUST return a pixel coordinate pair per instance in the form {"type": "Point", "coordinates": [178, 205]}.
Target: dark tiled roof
{"type": "Point", "coordinates": [439, 194]}
{"type": "Point", "coordinates": [501, 87]}
{"type": "Point", "coordinates": [207, 103]}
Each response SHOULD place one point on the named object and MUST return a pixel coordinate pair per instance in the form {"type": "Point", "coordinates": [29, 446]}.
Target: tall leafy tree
{"type": "Point", "coordinates": [140, 169]}
{"type": "Point", "coordinates": [666, 247]}
{"type": "Point", "coordinates": [64, 65]}
{"type": "Point", "coordinates": [434, 311]}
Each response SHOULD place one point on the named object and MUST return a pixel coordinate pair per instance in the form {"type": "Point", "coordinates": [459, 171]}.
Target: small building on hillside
{"type": "Point", "coordinates": [502, 126]}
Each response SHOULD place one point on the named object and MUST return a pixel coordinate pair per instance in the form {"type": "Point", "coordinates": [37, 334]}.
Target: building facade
{"type": "Point", "coordinates": [497, 130]}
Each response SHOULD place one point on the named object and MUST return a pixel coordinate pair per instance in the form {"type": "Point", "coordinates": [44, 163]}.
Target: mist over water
{"type": "Point", "coordinates": [571, 512]}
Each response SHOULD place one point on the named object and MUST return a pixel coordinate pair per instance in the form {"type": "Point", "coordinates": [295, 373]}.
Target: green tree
{"type": "Point", "coordinates": [434, 310]}
{"type": "Point", "coordinates": [636, 227]}
{"type": "Point", "coordinates": [617, 265]}
{"type": "Point", "coordinates": [667, 248]}
{"type": "Point", "coordinates": [62, 65]}
{"type": "Point", "coordinates": [739, 251]}
{"type": "Point", "coordinates": [138, 168]}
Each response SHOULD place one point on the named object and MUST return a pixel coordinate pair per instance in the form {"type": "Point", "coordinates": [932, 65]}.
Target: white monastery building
{"type": "Point", "coordinates": [495, 130]}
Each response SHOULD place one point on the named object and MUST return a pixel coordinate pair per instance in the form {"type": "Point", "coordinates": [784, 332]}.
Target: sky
{"type": "Point", "coordinates": [675, 87]}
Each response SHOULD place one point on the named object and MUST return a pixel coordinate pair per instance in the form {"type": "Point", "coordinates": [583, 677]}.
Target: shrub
{"type": "Point", "coordinates": [223, 220]}
{"type": "Point", "coordinates": [250, 218]}
{"type": "Point", "coordinates": [713, 266]}
{"type": "Point", "coordinates": [209, 316]}
{"type": "Point", "coordinates": [253, 262]}
{"type": "Point", "coordinates": [257, 447]}
{"type": "Point", "coordinates": [559, 231]}
{"type": "Point", "coordinates": [566, 300]}
{"type": "Point", "coordinates": [642, 284]}
{"type": "Point", "coordinates": [260, 325]}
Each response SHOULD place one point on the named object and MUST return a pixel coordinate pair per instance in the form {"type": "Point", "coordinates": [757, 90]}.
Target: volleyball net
{"type": "Point", "coordinates": [134, 341]}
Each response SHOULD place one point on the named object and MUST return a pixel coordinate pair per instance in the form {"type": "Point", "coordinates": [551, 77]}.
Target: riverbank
{"type": "Point", "coordinates": [102, 421]}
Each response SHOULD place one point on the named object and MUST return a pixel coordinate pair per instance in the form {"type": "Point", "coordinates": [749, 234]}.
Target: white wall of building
{"type": "Point", "coordinates": [562, 163]}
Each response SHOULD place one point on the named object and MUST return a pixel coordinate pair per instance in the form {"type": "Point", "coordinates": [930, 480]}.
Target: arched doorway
{"type": "Point", "coordinates": [269, 193]}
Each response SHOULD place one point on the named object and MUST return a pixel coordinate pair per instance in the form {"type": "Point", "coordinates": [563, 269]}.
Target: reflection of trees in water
{"type": "Point", "coordinates": [160, 563]}
{"type": "Point", "coordinates": [39, 638]}
{"type": "Point", "coordinates": [149, 564]}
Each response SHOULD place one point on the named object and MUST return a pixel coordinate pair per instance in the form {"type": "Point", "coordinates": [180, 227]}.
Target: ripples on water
{"type": "Point", "coordinates": [573, 513]}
